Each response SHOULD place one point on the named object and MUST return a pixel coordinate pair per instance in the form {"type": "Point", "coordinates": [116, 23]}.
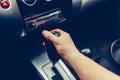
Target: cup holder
{"type": "Point", "coordinates": [115, 51]}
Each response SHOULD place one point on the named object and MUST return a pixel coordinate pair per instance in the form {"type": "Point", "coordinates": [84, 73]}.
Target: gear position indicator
{"type": "Point", "coordinates": [29, 2]}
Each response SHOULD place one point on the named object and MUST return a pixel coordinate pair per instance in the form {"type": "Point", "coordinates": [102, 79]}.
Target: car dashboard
{"type": "Point", "coordinates": [93, 26]}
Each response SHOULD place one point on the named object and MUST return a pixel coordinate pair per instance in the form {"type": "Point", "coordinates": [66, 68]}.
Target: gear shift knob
{"type": "Point", "coordinates": [51, 50]}
{"type": "Point", "coordinates": [56, 34]}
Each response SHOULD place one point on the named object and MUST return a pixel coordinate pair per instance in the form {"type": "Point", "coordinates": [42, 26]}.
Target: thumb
{"type": "Point", "coordinates": [49, 35]}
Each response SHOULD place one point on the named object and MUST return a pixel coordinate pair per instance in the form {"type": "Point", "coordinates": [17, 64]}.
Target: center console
{"type": "Point", "coordinates": [21, 19]}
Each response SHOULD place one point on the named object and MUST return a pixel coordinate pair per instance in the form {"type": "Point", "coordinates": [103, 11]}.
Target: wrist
{"type": "Point", "coordinates": [71, 55]}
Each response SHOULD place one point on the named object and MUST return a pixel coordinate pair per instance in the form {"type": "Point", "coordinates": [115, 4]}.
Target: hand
{"type": "Point", "coordinates": [63, 44]}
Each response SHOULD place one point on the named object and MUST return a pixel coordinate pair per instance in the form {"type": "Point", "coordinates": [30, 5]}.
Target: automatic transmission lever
{"type": "Point", "coordinates": [51, 50]}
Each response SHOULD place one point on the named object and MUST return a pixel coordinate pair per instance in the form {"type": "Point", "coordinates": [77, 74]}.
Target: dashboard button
{"type": "Point", "coordinates": [5, 4]}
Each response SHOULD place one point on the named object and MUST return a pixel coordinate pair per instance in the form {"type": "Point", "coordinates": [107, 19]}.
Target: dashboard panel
{"type": "Point", "coordinates": [93, 28]}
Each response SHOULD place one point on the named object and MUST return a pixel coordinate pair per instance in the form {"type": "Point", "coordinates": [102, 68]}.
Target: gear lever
{"type": "Point", "coordinates": [51, 50]}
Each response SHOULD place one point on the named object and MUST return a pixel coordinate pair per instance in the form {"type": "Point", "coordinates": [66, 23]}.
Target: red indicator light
{"type": "Point", "coordinates": [5, 4]}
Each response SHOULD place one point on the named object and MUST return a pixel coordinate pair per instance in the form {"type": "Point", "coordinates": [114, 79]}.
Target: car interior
{"type": "Point", "coordinates": [94, 26]}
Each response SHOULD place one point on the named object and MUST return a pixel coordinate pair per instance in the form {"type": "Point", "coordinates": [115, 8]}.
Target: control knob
{"type": "Point", "coordinates": [29, 2]}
